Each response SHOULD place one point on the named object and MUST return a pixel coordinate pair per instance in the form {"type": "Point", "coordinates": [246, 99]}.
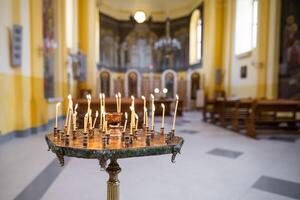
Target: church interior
{"type": "Point", "coordinates": [134, 99]}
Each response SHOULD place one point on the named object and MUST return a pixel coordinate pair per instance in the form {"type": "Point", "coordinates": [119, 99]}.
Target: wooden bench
{"type": "Point", "coordinates": [241, 114]}
{"type": "Point", "coordinates": [270, 114]}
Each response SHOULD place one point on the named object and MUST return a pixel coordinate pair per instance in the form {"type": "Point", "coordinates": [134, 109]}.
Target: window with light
{"type": "Point", "coordinates": [246, 26]}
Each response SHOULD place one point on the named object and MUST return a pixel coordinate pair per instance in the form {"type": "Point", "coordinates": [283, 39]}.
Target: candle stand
{"type": "Point", "coordinates": [104, 148]}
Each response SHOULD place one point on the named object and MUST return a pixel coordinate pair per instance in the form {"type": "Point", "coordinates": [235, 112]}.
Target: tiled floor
{"type": "Point", "coordinates": [215, 164]}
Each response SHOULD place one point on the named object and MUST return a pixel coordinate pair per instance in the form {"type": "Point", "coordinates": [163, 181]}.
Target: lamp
{"type": "Point", "coordinates": [139, 16]}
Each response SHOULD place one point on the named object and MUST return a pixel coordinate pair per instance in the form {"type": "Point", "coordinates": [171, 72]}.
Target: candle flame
{"type": "Point", "coordinates": [58, 104]}
{"type": "Point", "coordinates": [116, 96]}
{"type": "Point", "coordinates": [132, 97]}
{"type": "Point", "coordinates": [103, 96]}
{"type": "Point", "coordinates": [69, 96]}
{"type": "Point", "coordinates": [119, 94]}
{"type": "Point", "coordinates": [162, 105]}
{"type": "Point", "coordinates": [86, 115]}
{"type": "Point", "coordinates": [145, 109]}
{"type": "Point", "coordinates": [131, 108]}
{"type": "Point", "coordinates": [177, 98]}
{"type": "Point", "coordinates": [90, 111]}
{"type": "Point", "coordinates": [136, 116]}
{"type": "Point", "coordinates": [143, 97]}
{"type": "Point", "coordinates": [153, 108]}
{"type": "Point", "coordinates": [76, 106]}
{"type": "Point", "coordinates": [152, 96]}
{"type": "Point", "coordinates": [97, 113]}
{"type": "Point", "coordinates": [126, 115]}
{"type": "Point", "coordinates": [100, 95]}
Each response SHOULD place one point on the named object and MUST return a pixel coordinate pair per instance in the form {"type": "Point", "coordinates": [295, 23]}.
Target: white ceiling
{"type": "Point", "coordinates": [158, 9]}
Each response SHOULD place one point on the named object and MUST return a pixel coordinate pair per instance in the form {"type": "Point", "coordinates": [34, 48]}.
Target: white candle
{"type": "Point", "coordinates": [103, 121]}
{"type": "Point", "coordinates": [90, 120]}
{"type": "Point", "coordinates": [137, 121]}
{"type": "Point", "coordinates": [56, 113]}
{"type": "Point", "coordinates": [103, 96]}
{"type": "Point", "coordinates": [95, 119]}
{"type": "Point", "coordinates": [176, 106]}
{"type": "Point", "coordinates": [74, 120]}
{"type": "Point", "coordinates": [152, 120]}
{"type": "Point", "coordinates": [163, 116]}
{"type": "Point", "coordinates": [88, 97]}
{"type": "Point", "coordinates": [120, 102]}
{"type": "Point", "coordinates": [100, 108]}
{"type": "Point", "coordinates": [132, 119]}
{"type": "Point", "coordinates": [69, 104]}
{"type": "Point", "coordinates": [117, 100]}
{"type": "Point", "coordinates": [126, 116]}
{"type": "Point", "coordinates": [144, 116]}
{"type": "Point", "coordinates": [85, 122]}
{"type": "Point", "coordinates": [69, 121]}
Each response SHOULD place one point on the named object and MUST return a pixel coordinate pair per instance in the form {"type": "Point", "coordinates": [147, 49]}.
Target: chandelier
{"type": "Point", "coordinates": [167, 42]}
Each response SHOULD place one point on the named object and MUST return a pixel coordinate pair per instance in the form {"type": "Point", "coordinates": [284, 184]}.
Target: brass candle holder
{"type": "Point", "coordinates": [162, 130]}
{"type": "Point", "coordinates": [114, 120]}
{"type": "Point", "coordinates": [55, 132]}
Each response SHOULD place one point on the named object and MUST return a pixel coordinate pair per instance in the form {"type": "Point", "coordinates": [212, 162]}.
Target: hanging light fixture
{"type": "Point", "coordinates": [167, 42]}
{"type": "Point", "coordinates": [140, 16]}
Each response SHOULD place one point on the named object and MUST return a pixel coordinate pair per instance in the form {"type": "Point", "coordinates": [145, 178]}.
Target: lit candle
{"type": "Point", "coordinates": [85, 122]}
{"type": "Point", "coordinates": [90, 120]}
{"type": "Point", "coordinates": [88, 97]}
{"type": "Point", "coordinates": [117, 100]}
{"type": "Point", "coordinates": [69, 104]}
{"type": "Point", "coordinates": [126, 116]}
{"type": "Point", "coordinates": [56, 113]}
{"type": "Point", "coordinates": [144, 117]}
{"type": "Point", "coordinates": [69, 120]}
{"type": "Point", "coordinates": [100, 97]}
{"type": "Point", "coordinates": [103, 96]}
{"type": "Point", "coordinates": [95, 119]}
{"type": "Point", "coordinates": [163, 115]}
{"type": "Point", "coordinates": [152, 99]}
{"type": "Point", "coordinates": [120, 101]}
{"type": "Point", "coordinates": [137, 121]}
{"type": "Point", "coordinates": [103, 121]}
{"type": "Point", "coordinates": [74, 120]}
{"type": "Point", "coordinates": [74, 117]}
{"type": "Point", "coordinates": [132, 119]}
{"type": "Point", "coordinates": [176, 106]}
{"type": "Point", "coordinates": [152, 120]}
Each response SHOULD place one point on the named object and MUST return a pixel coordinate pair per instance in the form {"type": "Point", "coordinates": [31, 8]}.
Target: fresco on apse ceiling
{"type": "Point", "coordinates": [289, 72]}
{"type": "Point", "coordinates": [127, 45]}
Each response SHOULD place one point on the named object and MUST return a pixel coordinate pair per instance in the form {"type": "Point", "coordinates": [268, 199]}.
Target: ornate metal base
{"type": "Point", "coordinates": [113, 183]}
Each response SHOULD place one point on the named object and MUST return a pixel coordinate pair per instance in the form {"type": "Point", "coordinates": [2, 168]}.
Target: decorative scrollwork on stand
{"type": "Point", "coordinates": [102, 163]}
{"type": "Point", "coordinates": [61, 159]}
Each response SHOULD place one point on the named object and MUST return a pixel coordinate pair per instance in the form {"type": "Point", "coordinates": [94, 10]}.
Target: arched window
{"type": "Point", "coordinates": [196, 33]}
{"type": "Point", "coordinates": [246, 26]}
{"type": "Point", "coordinates": [132, 84]}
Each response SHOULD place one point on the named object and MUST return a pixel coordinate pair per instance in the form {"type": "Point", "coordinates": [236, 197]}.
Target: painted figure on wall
{"type": "Point", "coordinates": [195, 85]}
{"type": "Point", "coordinates": [289, 73]}
{"type": "Point", "coordinates": [105, 83]}
{"type": "Point", "coordinates": [49, 45]}
{"type": "Point", "coordinates": [170, 81]}
{"type": "Point", "coordinates": [132, 84]}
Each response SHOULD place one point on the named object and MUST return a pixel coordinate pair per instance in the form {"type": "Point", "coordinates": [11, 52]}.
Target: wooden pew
{"type": "Point", "coordinates": [270, 114]}
{"type": "Point", "coordinates": [241, 113]}
{"type": "Point", "coordinates": [212, 110]}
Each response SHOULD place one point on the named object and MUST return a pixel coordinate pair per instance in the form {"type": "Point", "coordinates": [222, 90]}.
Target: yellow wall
{"type": "Point", "coordinates": [22, 101]}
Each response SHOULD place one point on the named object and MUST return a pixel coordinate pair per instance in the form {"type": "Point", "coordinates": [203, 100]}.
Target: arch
{"type": "Point", "coordinates": [168, 83]}
{"type": "Point", "coordinates": [105, 82]}
{"type": "Point", "coordinates": [129, 90]}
